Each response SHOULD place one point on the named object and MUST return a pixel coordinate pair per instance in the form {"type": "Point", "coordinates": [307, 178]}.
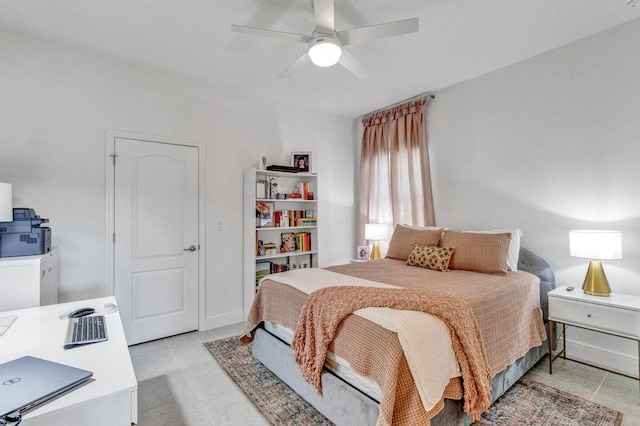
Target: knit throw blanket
{"type": "Point", "coordinates": [327, 307]}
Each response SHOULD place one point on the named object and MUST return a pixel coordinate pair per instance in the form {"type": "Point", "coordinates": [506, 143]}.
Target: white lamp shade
{"type": "Point", "coordinates": [325, 53]}
{"type": "Point", "coordinates": [375, 231]}
{"type": "Point", "coordinates": [6, 202]}
{"type": "Point", "coordinates": [596, 245]}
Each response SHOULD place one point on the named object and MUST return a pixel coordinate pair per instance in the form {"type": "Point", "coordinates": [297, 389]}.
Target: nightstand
{"type": "Point", "coordinates": [618, 315]}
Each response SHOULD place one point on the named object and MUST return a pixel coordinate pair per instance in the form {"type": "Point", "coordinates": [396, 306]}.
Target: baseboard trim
{"type": "Point", "coordinates": [606, 358]}
{"type": "Point", "coordinates": [223, 320]}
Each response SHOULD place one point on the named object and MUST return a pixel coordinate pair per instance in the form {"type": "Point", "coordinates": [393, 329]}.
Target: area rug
{"type": "Point", "coordinates": [526, 403]}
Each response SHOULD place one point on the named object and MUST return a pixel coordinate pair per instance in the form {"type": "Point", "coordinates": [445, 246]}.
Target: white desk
{"type": "Point", "coordinates": [110, 399]}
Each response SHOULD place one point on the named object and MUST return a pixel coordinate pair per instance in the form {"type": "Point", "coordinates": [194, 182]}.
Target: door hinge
{"type": "Point", "coordinates": [113, 157]}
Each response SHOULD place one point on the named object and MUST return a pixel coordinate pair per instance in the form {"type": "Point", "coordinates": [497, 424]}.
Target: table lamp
{"type": "Point", "coordinates": [375, 232]}
{"type": "Point", "coordinates": [596, 246]}
{"type": "Point", "coordinates": [6, 203]}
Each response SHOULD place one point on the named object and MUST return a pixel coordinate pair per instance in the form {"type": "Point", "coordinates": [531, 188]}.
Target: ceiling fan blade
{"type": "Point", "coordinates": [353, 65]}
{"type": "Point", "coordinates": [390, 29]}
{"type": "Point", "coordinates": [268, 13]}
{"type": "Point", "coordinates": [271, 33]}
{"type": "Point", "coordinates": [323, 11]}
{"type": "Point", "coordinates": [302, 60]}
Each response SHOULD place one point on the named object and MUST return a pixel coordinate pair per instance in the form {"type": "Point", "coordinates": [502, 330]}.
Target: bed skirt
{"type": "Point", "coordinates": [345, 405]}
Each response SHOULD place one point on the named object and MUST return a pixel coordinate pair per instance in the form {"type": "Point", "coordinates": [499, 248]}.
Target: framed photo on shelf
{"type": "Point", "coordinates": [301, 160]}
{"type": "Point", "coordinates": [363, 253]}
{"type": "Point", "coordinates": [264, 214]}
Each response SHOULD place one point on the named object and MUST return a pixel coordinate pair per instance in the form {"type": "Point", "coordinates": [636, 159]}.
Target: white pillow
{"type": "Point", "coordinates": [514, 245]}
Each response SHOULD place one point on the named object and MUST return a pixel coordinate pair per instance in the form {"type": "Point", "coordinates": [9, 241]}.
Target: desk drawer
{"type": "Point", "coordinates": [620, 321]}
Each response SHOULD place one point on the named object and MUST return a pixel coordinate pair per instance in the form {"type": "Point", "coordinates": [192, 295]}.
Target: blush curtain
{"type": "Point", "coordinates": [375, 188]}
{"type": "Point", "coordinates": [395, 177]}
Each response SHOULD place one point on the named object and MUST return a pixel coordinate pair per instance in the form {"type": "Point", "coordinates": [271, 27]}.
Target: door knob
{"type": "Point", "coordinates": [191, 248]}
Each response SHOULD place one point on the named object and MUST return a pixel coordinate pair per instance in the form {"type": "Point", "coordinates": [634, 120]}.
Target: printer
{"type": "Point", "coordinates": [24, 236]}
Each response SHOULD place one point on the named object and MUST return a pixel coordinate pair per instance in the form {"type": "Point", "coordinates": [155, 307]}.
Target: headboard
{"type": "Point", "coordinates": [531, 262]}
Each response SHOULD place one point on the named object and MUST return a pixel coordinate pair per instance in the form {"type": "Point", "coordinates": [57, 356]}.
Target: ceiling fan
{"type": "Point", "coordinates": [326, 45]}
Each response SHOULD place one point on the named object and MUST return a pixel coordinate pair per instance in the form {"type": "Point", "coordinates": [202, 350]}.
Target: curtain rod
{"type": "Point", "coordinates": [413, 98]}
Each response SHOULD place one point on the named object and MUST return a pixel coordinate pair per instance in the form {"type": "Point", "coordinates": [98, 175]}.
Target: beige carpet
{"type": "Point", "coordinates": [525, 403]}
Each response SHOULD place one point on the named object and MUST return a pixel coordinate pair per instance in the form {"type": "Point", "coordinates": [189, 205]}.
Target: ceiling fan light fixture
{"type": "Point", "coordinates": [325, 51]}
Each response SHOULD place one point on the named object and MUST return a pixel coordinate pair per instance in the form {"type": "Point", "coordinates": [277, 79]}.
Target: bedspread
{"type": "Point", "coordinates": [326, 308]}
{"type": "Point", "coordinates": [424, 338]}
{"type": "Point", "coordinates": [507, 307]}
{"type": "Point", "coordinates": [375, 351]}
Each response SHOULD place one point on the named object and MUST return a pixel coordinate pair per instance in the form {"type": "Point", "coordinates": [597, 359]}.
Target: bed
{"type": "Point", "coordinates": [394, 369]}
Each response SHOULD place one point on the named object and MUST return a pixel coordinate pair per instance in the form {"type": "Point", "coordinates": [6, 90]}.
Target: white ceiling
{"type": "Point", "coordinates": [458, 40]}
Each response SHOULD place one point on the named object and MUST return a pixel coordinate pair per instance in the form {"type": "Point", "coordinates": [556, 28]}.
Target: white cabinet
{"type": "Point", "coordinates": [618, 315]}
{"type": "Point", "coordinates": [28, 281]}
{"type": "Point", "coordinates": [285, 235]}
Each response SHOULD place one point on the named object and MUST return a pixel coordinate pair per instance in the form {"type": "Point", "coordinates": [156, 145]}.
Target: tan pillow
{"type": "Point", "coordinates": [403, 236]}
{"type": "Point", "coordinates": [436, 258]}
{"type": "Point", "coordinates": [478, 252]}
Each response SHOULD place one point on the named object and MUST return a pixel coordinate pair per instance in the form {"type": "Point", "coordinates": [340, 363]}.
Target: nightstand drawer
{"type": "Point", "coordinates": [620, 321]}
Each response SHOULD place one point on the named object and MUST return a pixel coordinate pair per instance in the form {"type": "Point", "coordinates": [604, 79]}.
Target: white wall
{"type": "Point", "coordinates": [56, 105]}
{"type": "Point", "coordinates": [548, 145]}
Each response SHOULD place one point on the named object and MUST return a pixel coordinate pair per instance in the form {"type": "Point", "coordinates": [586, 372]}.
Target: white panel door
{"type": "Point", "coordinates": [156, 238]}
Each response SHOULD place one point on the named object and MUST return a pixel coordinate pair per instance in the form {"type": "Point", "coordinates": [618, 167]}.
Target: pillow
{"type": "Point", "coordinates": [478, 252]}
{"type": "Point", "coordinates": [403, 236]}
{"type": "Point", "coordinates": [430, 257]}
{"type": "Point", "coordinates": [514, 245]}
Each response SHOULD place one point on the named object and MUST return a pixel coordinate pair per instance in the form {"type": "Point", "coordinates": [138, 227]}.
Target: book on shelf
{"type": "Point", "coordinates": [279, 267]}
{"type": "Point", "coordinates": [303, 241]}
{"type": "Point", "coordinates": [262, 270]}
{"type": "Point", "coordinates": [299, 241]}
{"type": "Point", "coordinates": [303, 190]}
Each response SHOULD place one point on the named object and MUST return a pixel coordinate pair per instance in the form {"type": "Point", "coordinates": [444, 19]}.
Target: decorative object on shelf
{"type": "Point", "coordinates": [363, 253]}
{"type": "Point", "coordinates": [300, 262]}
{"type": "Point", "coordinates": [270, 249]}
{"type": "Point", "coordinates": [375, 232]}
{"type": "Point", "coordinates": [273, 188]}
{"type": "Point", "coordinates": [6, 202]}
{"type": "Point", "coordinates": [264, 214]}
{"type": "Point", "coordinates": [288, 242]}
{"type": "Point", "coordinates": [262, 162]}
{"type": "Point", "coordinates": [301, 160]}
{"type": "Point", "coordinates": [596, 246]}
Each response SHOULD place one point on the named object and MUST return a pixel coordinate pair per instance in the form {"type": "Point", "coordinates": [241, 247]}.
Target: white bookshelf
{"type": "Point", "coordinates": [253, 232]}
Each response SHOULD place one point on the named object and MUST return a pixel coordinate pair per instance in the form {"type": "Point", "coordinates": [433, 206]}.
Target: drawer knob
{"type": "Point", "coordinates": [588, 315]}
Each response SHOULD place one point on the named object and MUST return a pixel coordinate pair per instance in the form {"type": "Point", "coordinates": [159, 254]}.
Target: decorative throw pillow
{"type": "Point", "coordinates": [403, 236]}
{"type": "Point", "coordinates": [436, 258]}
{"type": "Point", "coordinates": [478, 252]}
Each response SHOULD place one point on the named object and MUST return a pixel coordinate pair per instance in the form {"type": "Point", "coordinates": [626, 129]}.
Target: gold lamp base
{"type": "Point", "coordinates": [596, 283]}
{"type": "Point", "coordinates": [375, 252]}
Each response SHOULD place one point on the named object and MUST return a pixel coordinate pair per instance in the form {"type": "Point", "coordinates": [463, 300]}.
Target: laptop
{"type": "Point", "coordinates": [28, 381]}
